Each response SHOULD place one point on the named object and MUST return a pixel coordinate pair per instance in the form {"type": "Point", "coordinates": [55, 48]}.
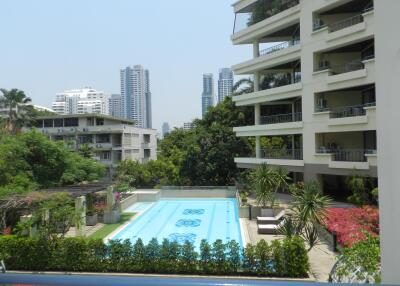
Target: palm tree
{"type": "Point", "coordinates": [18, 112]}
{"type": "Point", "coordinates": [244, 85]}
{"type": "Point", "coordinates": [267, 181]}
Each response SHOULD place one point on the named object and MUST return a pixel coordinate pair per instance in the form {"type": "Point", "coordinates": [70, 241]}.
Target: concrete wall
{"type": "Point", "coordinates": [198, 192]}
{"type": "Point", "coordinates": [128, 201]}
{"type": "Point", "coordinates": [387, 47]}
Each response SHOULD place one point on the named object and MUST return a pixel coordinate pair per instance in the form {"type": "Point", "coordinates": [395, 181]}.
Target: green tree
{"type": "Point", "coordinates": [243, 86]}
{"type": "Point", "coordinates": [19, 113]}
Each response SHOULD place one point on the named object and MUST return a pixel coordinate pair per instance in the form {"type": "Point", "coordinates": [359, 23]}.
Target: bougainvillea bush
{"type": "Point", "coordinates": [351, 224]}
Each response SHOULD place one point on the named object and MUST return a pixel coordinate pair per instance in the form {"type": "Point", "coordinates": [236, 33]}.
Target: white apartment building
{"type": "Point", "coordinates": [79, 101]}
{"type": "Point", "coordinates": [313, 67]}
{"type": "Point", "coordinates": [112, 139]}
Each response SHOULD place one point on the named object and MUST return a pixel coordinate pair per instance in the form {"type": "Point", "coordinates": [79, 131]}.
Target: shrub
{"type": "Point", "coordinates": [287, 258]}
{"type": "Point", "coordinates": [351, 224]}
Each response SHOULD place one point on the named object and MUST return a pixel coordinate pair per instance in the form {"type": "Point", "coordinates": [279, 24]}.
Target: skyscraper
{"type": "Point", "coordinates": [165, 129]}
{"type": "Point", "coordinates": [136, 95]}
{"type": "Point", "coordinates": [115, 106]}
{"type": "Point", "coordinates": [225, 83]}
{"type": "Point", "coordinates": [207, 97]}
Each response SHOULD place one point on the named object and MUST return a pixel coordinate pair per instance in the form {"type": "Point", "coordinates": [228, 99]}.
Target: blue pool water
{"type": "Point", "coordinates": [185, 219]}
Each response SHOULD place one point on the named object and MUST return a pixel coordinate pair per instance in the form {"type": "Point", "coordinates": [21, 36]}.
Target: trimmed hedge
{"type": "Point", "coordinates": [286, 258]}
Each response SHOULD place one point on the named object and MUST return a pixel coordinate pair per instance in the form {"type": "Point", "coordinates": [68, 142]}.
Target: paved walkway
{"type": "Point", "coordinates": [89, 230]}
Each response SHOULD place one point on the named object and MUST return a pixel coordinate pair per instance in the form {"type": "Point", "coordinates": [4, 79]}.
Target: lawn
{"type": "Point", "coordinates": [109, 228]}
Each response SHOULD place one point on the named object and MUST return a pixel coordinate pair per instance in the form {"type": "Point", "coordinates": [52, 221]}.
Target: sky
{"type": "Point", "coordinates": [48, 46]}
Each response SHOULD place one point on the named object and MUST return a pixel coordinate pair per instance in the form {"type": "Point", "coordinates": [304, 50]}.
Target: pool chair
{"type": "Point", "coordinates": [269, 228]}
{"type": "Point", "coordinates": [271, 219]}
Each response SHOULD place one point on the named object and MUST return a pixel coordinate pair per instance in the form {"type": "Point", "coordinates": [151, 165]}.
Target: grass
{"type": "Point", "coordinates": [109, 228]}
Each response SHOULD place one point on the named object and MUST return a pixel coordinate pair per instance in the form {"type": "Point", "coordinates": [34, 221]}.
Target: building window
{"type": "Point", "coordinates": [99, 121]}
{"type": "Point", "coordinates": [105, 155]}
{"type": "Point", "coordinates": [38, 123]}
{"type": "Point", "coordinates": [48, 122]}
{"type": "Point", "coordinates": [103, 138]}
{"type": "Point", "coordinates": [58, 122]}
{"type": "Point", "coordinates": [69, 122]}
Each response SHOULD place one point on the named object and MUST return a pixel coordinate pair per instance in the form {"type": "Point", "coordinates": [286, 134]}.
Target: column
{"type": "Point", "coordinates": [80, 209]}
{"type": "Point", "coordinates": [387, 74]}
{"type": "Point", "coordinates": [256, 81]}
{"type": "Point", "coordinates": [256, 49]}
{"type": "Point", "coordinates": [258, 147]}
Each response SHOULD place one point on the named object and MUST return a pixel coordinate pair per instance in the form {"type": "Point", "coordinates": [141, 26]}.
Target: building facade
{"type": "Point", "coordinates": [314, 87]}
{"type": "Point", "coordinates": [225, 83]}
{"type": "Point", "coordinates": [188, 125]}
{"type": "Point", "coordinates": [79, 101]}
{"type": "Point", "coordinates": [112, 139]}
{"type": "Point", "coordinates": [136, 95]}
{"type": "Point", "coordinates": [165, 129]}
{"type": "Point", "coordinates": [207, 97]}
{"type": "Point", "coordinates": [115, 106]}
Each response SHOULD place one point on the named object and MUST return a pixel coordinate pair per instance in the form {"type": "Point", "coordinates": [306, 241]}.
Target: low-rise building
{"type": "Point", "coordinates": [112, 139]}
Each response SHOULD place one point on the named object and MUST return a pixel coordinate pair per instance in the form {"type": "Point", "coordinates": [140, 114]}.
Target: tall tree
{"type": "Point", "coordinates": [18, 111]}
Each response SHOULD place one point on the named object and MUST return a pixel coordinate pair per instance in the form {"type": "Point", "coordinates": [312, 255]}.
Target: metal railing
{"type": "Point", "coordinates": [347, 155]}
{"type": "Point", "coordinates": [345, 23]}
{"type": "Point", "coordinates": [280, 81]}
{"type": "Point", "coordinates": [280, 47]}
{"type": "Point", "coordinates": [347, 111]}
{"type": "Point", "coordinates": [281, 118]}
{"type": "Point", "coordinates": [347, 67]}
{"type": "Point", "coordinates": [285, 154]}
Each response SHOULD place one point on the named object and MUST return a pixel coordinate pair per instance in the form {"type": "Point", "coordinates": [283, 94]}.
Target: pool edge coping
{"type": "Point", "coordinates": [155, 275]}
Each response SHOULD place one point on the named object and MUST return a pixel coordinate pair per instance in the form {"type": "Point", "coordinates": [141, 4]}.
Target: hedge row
{"type": "Point", "coordinates": [286, 258]}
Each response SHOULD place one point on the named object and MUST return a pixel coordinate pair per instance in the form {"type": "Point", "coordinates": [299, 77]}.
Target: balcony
{"type": "Point", "coordinates": [358, 159]}
{"type": "Point", "coordinates": [281, 118]}
{"type": "Point", "coordinates": [282, 154]}
{"type": "Point", "coordinates": [260, 11]}
{"type": "Point", "coordinates": [280, 47]}
{"type": "Point", "coordinates": [347, 111]}
{"type": "Point", "coordinates": [260, 18]}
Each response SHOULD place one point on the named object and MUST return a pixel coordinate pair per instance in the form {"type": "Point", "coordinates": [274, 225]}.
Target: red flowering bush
{"type": "Point", "coordinates": [351, 224]}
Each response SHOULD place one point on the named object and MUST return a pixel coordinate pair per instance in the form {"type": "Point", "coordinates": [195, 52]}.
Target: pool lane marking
{"type": "Point", "coordinates": [228, 234]}
{"type": "Point", "coordinates": [211, 221]}
{"type": "Point", "coordinates": [166, 221]}
{"type": "Point", "coordinates": [120, 230]}
{"type": "Point", "coordinates": [157, 209]}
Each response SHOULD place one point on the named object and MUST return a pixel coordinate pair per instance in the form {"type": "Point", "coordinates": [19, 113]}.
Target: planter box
{"type": "Point", "coordinates": [91, 219]}
{"type": "Point", "coordinates": [111, 216]}
{"type": "Point", "coordinates": [268, 212]}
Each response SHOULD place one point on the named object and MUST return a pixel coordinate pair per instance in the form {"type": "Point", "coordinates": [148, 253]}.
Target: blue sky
{"type": "Point", "coordinates": [48, 46]}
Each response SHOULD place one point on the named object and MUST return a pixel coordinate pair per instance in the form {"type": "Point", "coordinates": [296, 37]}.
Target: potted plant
{"type": "Point", "coordinates": [267, 182]}
{"type": "Point", "coordinates": [91, 214]}
{"type": "Point", "coordinates": [243, 197]}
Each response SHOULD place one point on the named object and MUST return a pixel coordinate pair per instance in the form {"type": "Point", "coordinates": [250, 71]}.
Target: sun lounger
{"type": "Point", "coordinates": [272, 219]}
{"type": "Point", "coordinates": [269, 228]}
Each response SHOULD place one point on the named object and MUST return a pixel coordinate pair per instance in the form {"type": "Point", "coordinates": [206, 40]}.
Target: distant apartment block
{"type": "Point", "coordinates": [112, 139]}
{"type": "Point", "coordinates": [314, 87]}
{"type": "Point", "coordinates": [188, 125]}
{"type": "Point", "coordinates": [225, 83]}
{"type": "Point", "coordinates": [80, 101]}
{"type": "Point", "coordinates": [207, 97]}
{"type": "Point", "coordinates": [136, 95]}
{"type": "Point", "coordinates": [115, 106]}
{"type": "Point", "coordinates": [165, 129]}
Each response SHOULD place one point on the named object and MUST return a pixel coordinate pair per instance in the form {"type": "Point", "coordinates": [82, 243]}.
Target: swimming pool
{"type": "Point", "coordinates": [185, 219]}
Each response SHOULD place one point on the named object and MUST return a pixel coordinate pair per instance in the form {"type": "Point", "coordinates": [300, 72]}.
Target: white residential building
{"type": "Point", "coordinates": [314, 86]}
{"type": "Point", "coordinates": [225, 83]}
{"type": "Point", "coordinates": [112, 139]}
{"type": "Point", "coordinates": [115, 106]}
{"type": "Point", "coordinates": [188, 125]}
{"type": "Point", "coordinates": [79, 101]}
{"type": "Point", "coordinates": [136, 95]}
